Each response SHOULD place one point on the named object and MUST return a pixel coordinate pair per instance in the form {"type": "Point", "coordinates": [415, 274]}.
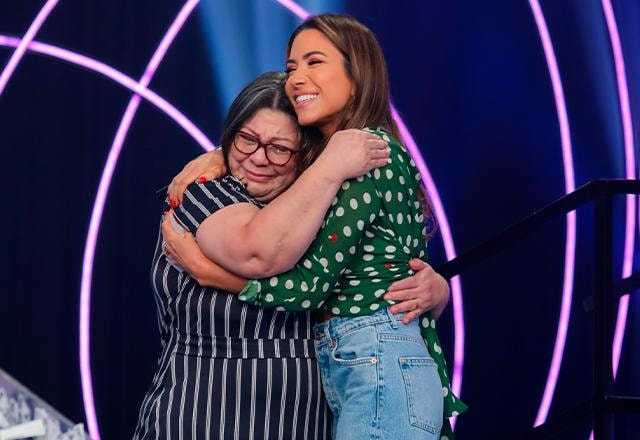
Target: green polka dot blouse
{"type": "Point", "coordinates": [373, 228]}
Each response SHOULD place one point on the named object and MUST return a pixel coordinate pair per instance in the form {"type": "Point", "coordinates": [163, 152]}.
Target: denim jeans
{"type": "Point", "coordinates": [378, 378]}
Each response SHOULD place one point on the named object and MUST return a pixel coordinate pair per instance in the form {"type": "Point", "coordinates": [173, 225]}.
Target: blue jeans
{"type": "Point", "coordinates": [378, 378]}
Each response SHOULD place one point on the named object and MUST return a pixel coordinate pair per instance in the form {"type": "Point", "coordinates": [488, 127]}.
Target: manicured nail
{"type": "Point", "coordinates": [201, 179]}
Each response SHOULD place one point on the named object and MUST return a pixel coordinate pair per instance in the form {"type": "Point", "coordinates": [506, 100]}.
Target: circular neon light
{"type": "Point", "coordinates": [118, 77]}
{"type": "Point", "coordinates": [98, 208]}
{"type": "Point", "coordinates": [570, 248]}
{"type": "Point", "coordinates": [630, 173]}
{"type": "Point", "coordinates": [17, 55]}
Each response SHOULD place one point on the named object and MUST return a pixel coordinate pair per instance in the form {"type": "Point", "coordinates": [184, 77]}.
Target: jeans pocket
{"type": "Point", "coordinates": [424, 392]}
{"type": "Point", "coordinates": [356, 347]}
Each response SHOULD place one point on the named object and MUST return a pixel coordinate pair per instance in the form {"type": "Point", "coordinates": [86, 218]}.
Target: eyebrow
{"type": "Point", "coordinates": [307, 55]}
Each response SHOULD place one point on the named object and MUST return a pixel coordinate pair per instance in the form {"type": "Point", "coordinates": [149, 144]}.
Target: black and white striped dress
{"type": "Point", "coordinates": [228, 370]}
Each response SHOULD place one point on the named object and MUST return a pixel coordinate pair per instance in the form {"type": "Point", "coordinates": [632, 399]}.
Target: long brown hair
{"type": "Point", "coordinates": [366, 67]}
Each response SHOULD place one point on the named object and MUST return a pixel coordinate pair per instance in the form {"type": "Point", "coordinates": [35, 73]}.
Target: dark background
{"type": "Point", "coordinates": [470, 80]}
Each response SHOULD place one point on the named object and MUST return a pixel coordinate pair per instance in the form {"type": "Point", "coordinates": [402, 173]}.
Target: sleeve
{"type": "Point", "coordinates": [311, 281]}
{"type": "Point", "coordinates": [203, 199]}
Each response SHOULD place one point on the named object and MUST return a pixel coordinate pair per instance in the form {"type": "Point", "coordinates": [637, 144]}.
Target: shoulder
{"type": "Point", "coordinates": [398, 150]}
{"type": "Point", "coordinates": [393, 142]}
{"type": "Point", "coordinates": [400, 164]}
{"type": "Point", "coordinates": [220, 192]}
{"type": "Point", "coordinates": [203, 199]}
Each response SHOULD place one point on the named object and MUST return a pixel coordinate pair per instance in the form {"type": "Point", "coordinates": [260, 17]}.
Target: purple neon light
{"type": "Point", "coordinates": [569, 181]}
{"type": "Point", "coordinates": [98, 208]}
{"type": "Point", "coordinates": [432, 191]}
{"type": "Point", "coordinates": [118, 77]}
{"type": "Point", "coordinates": [22, 47]}
{"type": "Point", "coordinates": [447, 237]}
{"type": "Point", "coordinates": [630, 173]}
{"type": "Point", "coordinates": [295, 8]}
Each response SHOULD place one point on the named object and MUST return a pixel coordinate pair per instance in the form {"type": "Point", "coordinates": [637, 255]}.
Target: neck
{"type": "Point", "coordinates": [328, 130]}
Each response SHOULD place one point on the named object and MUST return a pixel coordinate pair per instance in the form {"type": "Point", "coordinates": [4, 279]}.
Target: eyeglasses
{"type": "Point", "coordinates": [276, 154]}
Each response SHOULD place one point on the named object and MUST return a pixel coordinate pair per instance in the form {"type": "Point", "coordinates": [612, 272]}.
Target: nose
{"type": "Point", "coordinates": [297, 78]}
{"type": "Point", "coordinates": [259, 157]}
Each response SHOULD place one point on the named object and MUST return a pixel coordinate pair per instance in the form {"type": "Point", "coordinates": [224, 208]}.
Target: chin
{"type": "Point", "coordinates": [307, 119]}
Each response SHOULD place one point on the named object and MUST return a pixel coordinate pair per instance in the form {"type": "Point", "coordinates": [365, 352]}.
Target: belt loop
{"type": "Point", "coordinates": [392, 319]}
{"type": "Point", "coordinates": [327, 331]}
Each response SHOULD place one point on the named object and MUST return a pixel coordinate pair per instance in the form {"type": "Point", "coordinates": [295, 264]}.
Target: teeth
{"type": "Point", "coordinates": [304, 98]}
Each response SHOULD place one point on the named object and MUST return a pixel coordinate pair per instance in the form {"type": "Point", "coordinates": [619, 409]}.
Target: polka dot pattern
{"type": "Point", "coordinates": [372, 230]}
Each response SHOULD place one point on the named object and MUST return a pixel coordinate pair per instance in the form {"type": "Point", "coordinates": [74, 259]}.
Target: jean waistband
{"type": "Point", "coordinates": [329, 330]}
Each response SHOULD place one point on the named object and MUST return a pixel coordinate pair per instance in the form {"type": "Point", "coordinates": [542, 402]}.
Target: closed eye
{"type": "Point", "coordinates": [246, 137]}
{"type": "Point", "coordinates": [280, 149]}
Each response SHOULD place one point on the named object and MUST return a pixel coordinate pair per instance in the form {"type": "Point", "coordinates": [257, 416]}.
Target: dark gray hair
{"type": "Point", "coordinates": [266, 91]}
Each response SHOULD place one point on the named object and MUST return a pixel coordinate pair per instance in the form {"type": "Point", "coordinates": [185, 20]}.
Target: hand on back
{"type": "Point", "coordinates": [205, 167]}
{"type": "Point", "coordinates": [351, 153]}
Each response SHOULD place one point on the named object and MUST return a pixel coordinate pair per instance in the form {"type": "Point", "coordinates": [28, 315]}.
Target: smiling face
{"type": "Point", "coordinates": [263, 180]}
{"type": "Point", "coordinates": [318, 85]}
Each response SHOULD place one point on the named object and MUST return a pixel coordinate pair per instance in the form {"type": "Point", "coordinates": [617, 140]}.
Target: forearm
{"type": "Point", "coordinates": [208, 273]}
{"type": "Point", "coordinates": [284, 229]}
{"type": "Point", "coordinates": [312, 280]}
{"type": "Point", "coordinates": [443, 293]}
{"type": "Point", "coordinates": [436, 312]}
{"type": "Point", "coordinates": [272, 239]}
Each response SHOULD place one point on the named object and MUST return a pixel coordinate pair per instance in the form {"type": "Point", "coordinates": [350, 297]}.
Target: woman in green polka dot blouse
{"type": "Point", "coordinates": [373, 228]}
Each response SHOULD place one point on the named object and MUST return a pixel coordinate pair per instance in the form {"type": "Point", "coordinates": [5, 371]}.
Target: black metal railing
{"type": "Point", "coordinates": [603, 403]}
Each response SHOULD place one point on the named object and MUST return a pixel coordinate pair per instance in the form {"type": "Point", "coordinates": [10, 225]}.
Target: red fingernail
{"type": "Point", "coordinates": [201, 179]}
{"type": "Point", "coordinates": [173, 203]}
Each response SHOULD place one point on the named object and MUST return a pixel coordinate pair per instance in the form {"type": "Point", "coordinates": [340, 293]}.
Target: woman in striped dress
{"type": "Point", "coordinates": [228, 369]}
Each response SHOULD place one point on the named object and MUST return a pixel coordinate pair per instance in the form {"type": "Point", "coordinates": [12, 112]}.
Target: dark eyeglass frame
{"type": "Point", "coordinates": [267, 147]}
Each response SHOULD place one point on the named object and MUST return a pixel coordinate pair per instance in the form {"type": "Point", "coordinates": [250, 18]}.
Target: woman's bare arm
{"type": "Point", "coordinates": [256, 242]}
{"type": "Point", "coordinates": [182, 251]}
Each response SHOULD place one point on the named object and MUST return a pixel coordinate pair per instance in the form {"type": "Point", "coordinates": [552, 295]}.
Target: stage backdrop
{"type": "Point", "coordinates": [511, 104]}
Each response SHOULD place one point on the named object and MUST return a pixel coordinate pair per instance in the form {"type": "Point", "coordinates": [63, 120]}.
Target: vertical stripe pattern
{"type": "Point", "coordinates": [228, 369]}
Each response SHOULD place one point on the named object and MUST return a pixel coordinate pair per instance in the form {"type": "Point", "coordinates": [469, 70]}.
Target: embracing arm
{"type": "Point", "coordinates": [425, 291]}
{"type": "Point", "coordinates": [205, 167]}
{"type": "Point", "coordinates": [311, 281]}
{"type": "Point", "coordinates": [256, 242]}
{"type": "Point", "coordinates": [182, 251]}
